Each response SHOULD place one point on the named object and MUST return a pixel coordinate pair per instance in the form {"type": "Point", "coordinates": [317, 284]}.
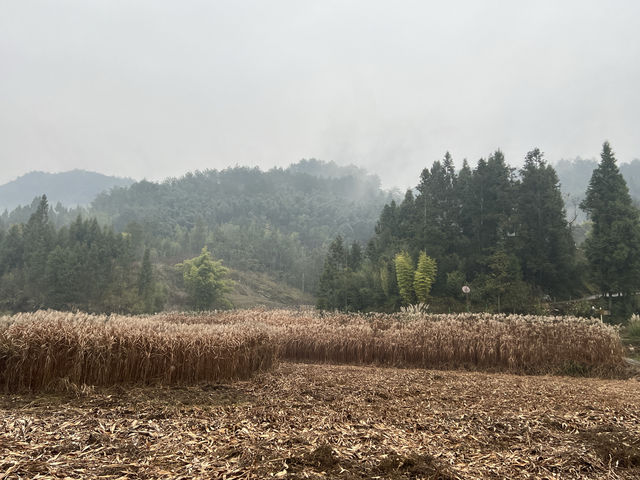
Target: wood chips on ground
{"type": "Point", "coordinates": [323, 421]}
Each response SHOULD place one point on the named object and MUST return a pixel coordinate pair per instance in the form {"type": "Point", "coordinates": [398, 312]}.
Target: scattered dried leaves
{"type": "Point", "coordinates": [320, 421]}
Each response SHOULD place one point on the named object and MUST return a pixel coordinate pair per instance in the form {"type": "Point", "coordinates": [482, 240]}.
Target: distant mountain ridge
{"type": "Point", "coordinates": [72, 188]}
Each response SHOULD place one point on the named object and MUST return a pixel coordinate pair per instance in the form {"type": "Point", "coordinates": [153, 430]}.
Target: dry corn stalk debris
{"type": "Point", "coordinates": [327, 421]}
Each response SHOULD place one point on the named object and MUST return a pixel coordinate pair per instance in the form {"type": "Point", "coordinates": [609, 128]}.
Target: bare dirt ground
{"type": "Point", "coordinates": [319, 421]}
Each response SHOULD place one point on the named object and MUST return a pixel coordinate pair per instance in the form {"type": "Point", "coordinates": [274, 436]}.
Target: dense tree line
{"type": "Point", "coordinates": [79, 266]}
{"type": "Point", "coordinates": [86, 267]}
{"type": "Point", "coordinates": [58, 215]}
{"type": "Point", "coordinates": [504, 233]}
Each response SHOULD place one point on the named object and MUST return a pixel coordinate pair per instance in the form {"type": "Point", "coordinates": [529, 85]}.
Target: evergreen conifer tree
{"type": "Point", "coordinates": [613, 245]}
{"type": "Point", "coordinates": [545, 248]}
{"type": "Point", "coordinates": [331, 288]}
{"type": "Point", "coordinates": [38, 243]}
{"type": "Point", "coordinates": [146, 286]}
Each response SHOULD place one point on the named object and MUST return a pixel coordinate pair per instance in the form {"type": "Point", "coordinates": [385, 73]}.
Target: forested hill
{"type": "Point", "coordinates": [76, 187]}
{"type": "Point", "coordinates": [278, 221]}
{"type": "Point", "coordinates": [289, 200]}
{"type": "Point", "coordinates": [321, 169]}
{"type": "Point", "coordinates": [273, 225]}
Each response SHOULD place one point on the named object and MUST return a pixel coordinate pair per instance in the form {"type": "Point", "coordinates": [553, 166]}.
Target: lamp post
{"type": "Point", "coordinates": [466, 290]}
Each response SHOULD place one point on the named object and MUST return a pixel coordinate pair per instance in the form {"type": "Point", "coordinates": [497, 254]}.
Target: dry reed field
{"type": "Point", "coordinates": [303, 421]}
{"type": "Point", "coordinates": [49, 350]}
{"type": "Point", "coordinates": [511, 343]}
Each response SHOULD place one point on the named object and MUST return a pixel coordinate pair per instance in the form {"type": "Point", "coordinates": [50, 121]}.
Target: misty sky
{"type": "Point", "coordinates": [155, 88]}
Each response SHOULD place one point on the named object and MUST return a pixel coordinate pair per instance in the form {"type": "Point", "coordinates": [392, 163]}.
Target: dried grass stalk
{"type": "Point", "coordinates": [38, 350]}
{"type": "Point", "coordinates": [42, 348]}
{"type": "Point", "coordinates": [514, 343]}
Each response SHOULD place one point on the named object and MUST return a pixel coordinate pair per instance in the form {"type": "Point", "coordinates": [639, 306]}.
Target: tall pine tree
{"type": "Point", "coordinates": [613, 246]}
{"type": "Point", "coordinates": [489, 204]}
{"type": "Point", "coordinates": [545, 247]}
{"type": "Point", "coordinates": [146, 287]}
{"type": "Point", "coordinates": [38, 242]}
{"type": "Point", "coordinates": [331, 290]}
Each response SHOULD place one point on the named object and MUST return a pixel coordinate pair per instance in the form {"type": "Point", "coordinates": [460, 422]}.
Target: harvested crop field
{"type": "Point", "coordinates": [326, 421]}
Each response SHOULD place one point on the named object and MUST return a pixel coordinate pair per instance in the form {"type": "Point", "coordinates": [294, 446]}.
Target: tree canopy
{"type": "Point", "coordinates": [613, 246]}
{"type": "Point", "coordinates": [206, 281]}
{"type": "Point", "coordinates": [503, 232]}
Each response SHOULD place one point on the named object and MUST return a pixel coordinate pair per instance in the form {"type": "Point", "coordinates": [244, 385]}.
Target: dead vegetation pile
{"type": "Point", "coordinates": [46, 350]}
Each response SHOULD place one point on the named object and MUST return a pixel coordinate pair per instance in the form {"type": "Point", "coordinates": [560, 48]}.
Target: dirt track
{"type": "Point", "coordinates": [315, 421]}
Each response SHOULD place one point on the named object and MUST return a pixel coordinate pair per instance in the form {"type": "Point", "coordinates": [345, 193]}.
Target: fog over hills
{"type": "Point", "coordinates": [183, 86]}
{"type": "Point", "coordinates": [81, 187]}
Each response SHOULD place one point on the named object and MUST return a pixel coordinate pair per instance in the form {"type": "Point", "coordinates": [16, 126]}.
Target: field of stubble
{"type": "Point", "coordinates": [327, 421]}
